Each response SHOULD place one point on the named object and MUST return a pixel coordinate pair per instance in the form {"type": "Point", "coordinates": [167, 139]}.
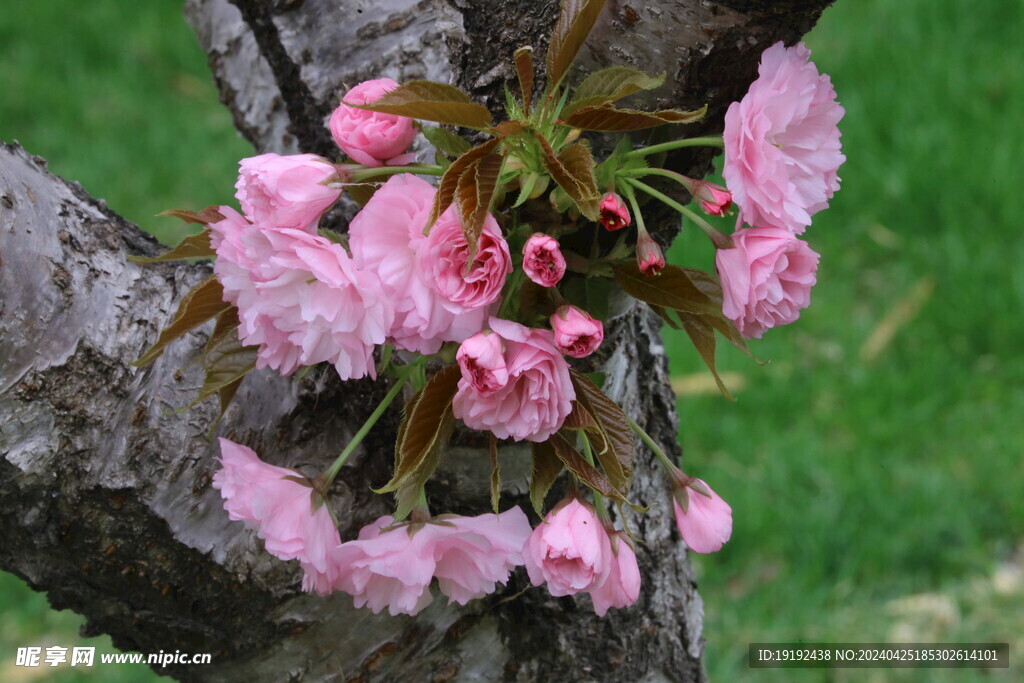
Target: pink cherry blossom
{"type": "Point", "coordinates": [577, 334]}
{"type": "Point", "coordinates": [703, 518]}
{"type": "Point", "coordinates": [392, 566]}
{"type": "Point", "coordinates": [372, 138]}
{"type": "Point", "coordinates": [482, 361]}
{"type": "Point", "coordinates": [300, 298]}
{"type": "Point", "coordinates": [569, 550]}
{"type": "Point", "coordinates": [385, 238]}
{"type": "Point", "coordinates": [621, 587]}
{"type": "Point", "coordinates": [537, 396]}
{"type": "Point", "coordinates": [766, 278]}
{"type": "Point", "coordinates": [614, 214]}
{"type": "Point", "coordinates": [444, 258]}
{"type": "Point", "coordinates": [283, 509]}
{"type": "Point", "coordinates": [285, 191]}
{"type": "Point", "coordinates": [543, 260]}
{"type": "Point", "coordinates": [782, 149]}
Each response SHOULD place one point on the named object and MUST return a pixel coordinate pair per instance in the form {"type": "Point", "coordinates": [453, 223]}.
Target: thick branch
{"type": "Point", "coordinates": [107, 503]}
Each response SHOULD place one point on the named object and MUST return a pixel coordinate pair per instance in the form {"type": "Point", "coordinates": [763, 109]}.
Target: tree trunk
{"type": "Point", "coordinates": [106, 500]}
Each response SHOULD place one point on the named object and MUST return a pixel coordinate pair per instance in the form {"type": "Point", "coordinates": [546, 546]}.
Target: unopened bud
{"type": "Point", "coordinates": [649, 257]}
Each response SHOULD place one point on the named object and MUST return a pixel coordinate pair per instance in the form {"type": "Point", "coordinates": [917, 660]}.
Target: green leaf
{"type": "Point", "coordinates": [203, 302]}
{"type": "Point", "coordinates": [584, 471]}
{"type": "Point", "coordinates": [589, 293]}
{"type": "Point", "coordinates": [430, 101]}
{"type": "Point", "coordinates": [423, 434]}
{"type": "Point", "coordinates": [611, 84]}
{"type": "Point", "coordinates": [574, 24]}
{"type": "Point", "coordinates": [193, 246]}
{"type": "Point", "coordinates": [613, 446]}
{"type": "Point", "coordinates": [573, 170]}
{"type": "Point", "coordinates": [606, 118]}
{"type": "Point", "coordinates": [495, 474]}
{"type": "Point", "coordinates": [445, 141]}
{"type": "Point", "coordinates": [524, 70]}
{"type": "Point", "coordinates": [672, 289]}
{"type": "Point", "coordinates": [449, 185]}
{"type": "Point", "coordinates": [474, 193]}
{"type": "Point", "coordinates": [546, 468]}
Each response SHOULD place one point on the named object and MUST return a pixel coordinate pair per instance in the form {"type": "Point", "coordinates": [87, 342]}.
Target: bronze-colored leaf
{"type": "Point", "coordinates": [610, 84]}
{"type": "Point", "coordinates": [524, 70]}
{"type": "Point", "coordinates": [473, 194]}
{"type": "Point", "coordinates": [361, 193]}
{"type": "Point", "coordinates": [579, 418]}
{"type": "Point", "coordinates": [546, 468]}
{"type": "Point", "coordinates": [573, 170]}
{"type": "Point", "coordinates": [227, 323]}
{"type": "Point", "coordinates": [449, 185]}
{"type": "Point", "coordinates": [426, 424]}
{"type": "Point", "coordinates": [583, 470]}
{"type": "Point", "coordinates": [613, 447]}
{"type": "Point", "coordinates": [606, 118]}
{"type": "Point", "coordinates": [430, 101]}
{"type": "Point", "coordinates": [672, 289]}
{"type": "Point", "coordinates": [509, 129]}
{"type": "Point", "coordinates": [224, 364]}
{"type": "Point", "coordinates": [193, 246]}
{"type": "Point", "coordinates": [210, 214]}
{"type": "Point", "coordinates": [574, 24]}
{"type": "Point", "coordinates": [703, 337]}
{"type": "Point", "coordinates": [495, 474]}
{"type": "Point", "coordinates": [203, 302]}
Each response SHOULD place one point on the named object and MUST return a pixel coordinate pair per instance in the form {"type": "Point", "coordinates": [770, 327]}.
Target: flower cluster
{"type": "Point", "coordinates": [497, 281]}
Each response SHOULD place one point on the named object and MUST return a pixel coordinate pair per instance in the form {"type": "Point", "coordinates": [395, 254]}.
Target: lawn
{"type": "Point", "coordinates": [873, 465]}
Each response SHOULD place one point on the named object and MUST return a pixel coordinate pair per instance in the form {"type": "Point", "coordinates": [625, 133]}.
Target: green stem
{"type": "Point", "coordinates": [720, 241]}
{"type": "Point", "coordinates": [364, 174]}
{"type": "Point", "coordinates": [640, 172]}
{"type": "Point", "coordinates": [339, 462]}
{"type": "Point", "coordinates": [599, 501]}
{"type": "Point", "coordinates": [655, 448]}
{"type": "Point", "coordinates": [708, 141]}
{"type": "Point", "coordinates": [627, 189]}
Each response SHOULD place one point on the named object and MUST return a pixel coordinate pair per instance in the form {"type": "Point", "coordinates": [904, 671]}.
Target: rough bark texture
{"type": "Point", "coordinates": [106, 501]}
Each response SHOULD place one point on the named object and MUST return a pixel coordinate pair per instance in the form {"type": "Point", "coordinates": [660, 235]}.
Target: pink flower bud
{"type": "Point", "coordinates": [285, 192]}
{"type": "Point", "coordinates": [543, 260]}
{"type": "Point", "coordinates": [369, 137]}
{"type": "Point", "coordinates": [649, 256]}
{"type": "Point", "coordinates": [614, 214]}
{"type": "Point", "coordinates": [482, 363]}
{"type": "Point", "coordinates": [569, 550]}
{"type": "Point", "coordinates": [714, 199]}
{"type": "Point", "coordinates": [577, 334]}
{"type": "Point", "coordinates": [703, 518]}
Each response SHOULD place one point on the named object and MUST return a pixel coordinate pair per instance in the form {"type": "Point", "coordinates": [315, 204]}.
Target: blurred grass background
{"type": "Point", "coordinates": [874, 466]}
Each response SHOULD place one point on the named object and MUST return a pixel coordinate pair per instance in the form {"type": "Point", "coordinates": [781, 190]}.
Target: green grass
{"type": "Point", "coordinates": [854, 483]}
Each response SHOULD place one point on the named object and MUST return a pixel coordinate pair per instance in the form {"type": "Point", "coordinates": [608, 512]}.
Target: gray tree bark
{"type": "Point", "coordinates": [105, 497]}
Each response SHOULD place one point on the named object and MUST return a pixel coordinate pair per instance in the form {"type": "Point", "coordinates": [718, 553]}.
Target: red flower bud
{"type": "Point", "coordinates": [649, 256]}
{"type": "Point", "coordinates": [714, 199]}
{"type": "Point", "coordinates": [614, 214]}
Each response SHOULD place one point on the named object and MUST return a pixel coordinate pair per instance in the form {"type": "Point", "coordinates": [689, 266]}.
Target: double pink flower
{"type": "Point", "coordinates": [283, 511]}
{"type": "Point", "coordinates": [515, 383]}
{"type": "Point", "coordinates": [393, 567]}
{"type": "Point", "coordinates": [782, 149]}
